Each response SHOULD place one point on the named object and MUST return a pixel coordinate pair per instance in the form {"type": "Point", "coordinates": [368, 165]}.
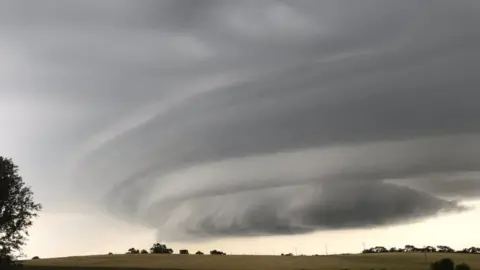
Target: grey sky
{"type": "Point", "coordinates": [235, 118]}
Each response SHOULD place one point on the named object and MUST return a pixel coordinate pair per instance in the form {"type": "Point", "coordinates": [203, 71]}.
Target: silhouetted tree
{"type": "Point", "coordinates": [380, 249]}
{"type": "Point", "coordinates": [462, 266]}
{"type": "Point", "coordinates": [35, 258]}
{"type": "Point", "coordinates": [443, 264]}
{"type": "Point", "coordinates": [199, 253]}
{"type": "Point", "coordinates": [445, 249]}
{"type": "Point", "coordinates": [133, 251]}
{"type": "Point", "coordinates": [217, 252]}
{"type": "Point", "coordinates": [110, 253]}
{"type": "Point", "coordinates": [160, 249]}
{"type": "Point", "coordinates": [144, 251]}
{"type": "Point", "coordinates": [17, 208]}
{"type": "Point", "coordinates": [410, 248]}
{"type": "Point", "coordinates": [370, 250]}
{"type": "Point", "coordinates": [471, 250]}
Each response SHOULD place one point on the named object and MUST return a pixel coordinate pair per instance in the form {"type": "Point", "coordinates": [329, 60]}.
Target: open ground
{"type": "Point", "coordinates": [392, 261]}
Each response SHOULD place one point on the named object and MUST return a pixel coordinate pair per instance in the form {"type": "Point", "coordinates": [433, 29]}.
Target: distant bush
{"type": "Point", "coordinates": [144, 251]}
{"type": "Point", "coordinates": [110, 253]}
{"type": "Point", "coordinates": [199, 253]}
{"type": "Point", "coordinates": [217, 252]}
{"type": "Point", "coordinates": [448, 264]}
{"type": "Point", "coordinates": [462, 266]}
{"type": "Point", "coordinates": [443, 264]}
{"type": "Point", "coordinates": [35, 258]}
{"type": "Point", "coordinates": [184, 251]}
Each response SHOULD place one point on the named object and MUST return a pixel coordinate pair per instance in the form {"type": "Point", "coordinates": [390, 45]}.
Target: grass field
{"type": "Point", "coordinates": [404, 261]}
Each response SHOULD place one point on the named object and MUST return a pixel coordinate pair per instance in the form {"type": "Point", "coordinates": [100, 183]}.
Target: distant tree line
{"type": "Point", "coordinates": [411, 248]}
{"type": "Point", "coordinates": [158, 248]}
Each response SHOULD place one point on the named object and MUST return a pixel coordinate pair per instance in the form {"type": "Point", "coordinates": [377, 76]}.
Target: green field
{"type": "Point", "coordinates": [387, 261]}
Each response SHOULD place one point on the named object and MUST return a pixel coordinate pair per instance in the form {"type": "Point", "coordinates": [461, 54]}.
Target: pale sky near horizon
{"type": "Point", "coordinates": [60, 235]}
{"type": "Point", "coordinates": [246, 126]}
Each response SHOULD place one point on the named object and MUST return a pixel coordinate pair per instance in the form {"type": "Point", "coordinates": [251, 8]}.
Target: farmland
{"type": "Point", "coordinates": [387, 261]}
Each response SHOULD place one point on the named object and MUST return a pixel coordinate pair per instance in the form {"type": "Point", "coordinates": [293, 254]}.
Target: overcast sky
{"type": "Point", "coordinates": [210, 124]}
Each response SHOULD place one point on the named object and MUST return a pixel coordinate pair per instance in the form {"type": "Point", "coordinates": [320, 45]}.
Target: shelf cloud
{"type": "Point", "coordinates": [208, 119]}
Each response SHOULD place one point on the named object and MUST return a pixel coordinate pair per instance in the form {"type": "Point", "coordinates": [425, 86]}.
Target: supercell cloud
{"type": "Point", "coordinates": [236, 118]}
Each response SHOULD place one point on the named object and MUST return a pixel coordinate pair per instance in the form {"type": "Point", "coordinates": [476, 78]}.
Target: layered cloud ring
{"type": "Point", "coordinates": [223, 118]}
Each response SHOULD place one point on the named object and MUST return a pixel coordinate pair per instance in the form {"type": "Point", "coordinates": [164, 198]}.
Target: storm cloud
{"type": "Point", "coordinates": [238, 118]}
